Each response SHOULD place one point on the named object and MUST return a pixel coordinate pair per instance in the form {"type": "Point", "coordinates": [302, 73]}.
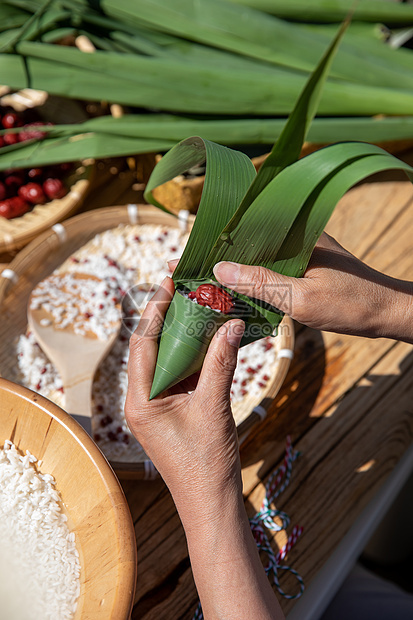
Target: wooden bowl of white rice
{"type": "Point", "coordinates": [67, 543]}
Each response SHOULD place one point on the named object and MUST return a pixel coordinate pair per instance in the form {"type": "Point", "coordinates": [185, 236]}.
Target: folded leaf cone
{"type": "Point", "coordinates": [186, 334]}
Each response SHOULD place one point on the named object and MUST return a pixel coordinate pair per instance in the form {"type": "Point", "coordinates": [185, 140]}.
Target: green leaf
{"type": "Point", "coordinates": [334, 10]}
{"type": "Point", "coordinates": [297, 212]}
{"type": "Point", "coordinates": [227, 177]}
{"type": "Point", "coordinates": [206, 87]}
{"type": "Point", "coordinates": [133, 134]}
{"type": "Point", "coordinates": [294, 254]}
{"type": "Point", "coordinates": [288, 147]}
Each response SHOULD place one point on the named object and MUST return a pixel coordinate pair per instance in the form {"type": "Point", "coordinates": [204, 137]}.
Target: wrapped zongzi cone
{"type": "Point", "coordinates": [187, 331]}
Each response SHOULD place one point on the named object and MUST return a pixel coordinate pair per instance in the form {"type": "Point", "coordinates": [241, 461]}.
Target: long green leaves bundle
{"type": "Point", "coordinates": [195, 59]}
{"type": "Point", "coordinates": [142, 133]}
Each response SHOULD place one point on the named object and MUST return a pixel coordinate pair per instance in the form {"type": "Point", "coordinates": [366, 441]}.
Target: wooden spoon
{"type": "Point", "coordinates": [76, 356]}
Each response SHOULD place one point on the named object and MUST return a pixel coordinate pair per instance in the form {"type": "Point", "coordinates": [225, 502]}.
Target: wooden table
{"type": "Point", "coordinates": [346, 403]}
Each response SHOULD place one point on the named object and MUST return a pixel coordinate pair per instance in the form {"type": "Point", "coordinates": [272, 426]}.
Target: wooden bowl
{"type": "Point", "coordinates": [43, 255]}
{"type": "Point", "coordinates": [93, 500]}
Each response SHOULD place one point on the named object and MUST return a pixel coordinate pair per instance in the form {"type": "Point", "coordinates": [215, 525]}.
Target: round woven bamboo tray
{"type": "Point", "coordinates": [19, 231]}
{"type": "Point", "coordinates": [37, 261]}
{"type": "Point", "coordinates": [92, 498]}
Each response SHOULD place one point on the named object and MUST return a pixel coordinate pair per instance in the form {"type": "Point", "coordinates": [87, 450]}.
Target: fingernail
{"type": "Point", "coordinates": [235, 331]}
{"type": "Point", "coordinates": [227, 273]}
{"type": "Point", "coordinates": [164, 281]}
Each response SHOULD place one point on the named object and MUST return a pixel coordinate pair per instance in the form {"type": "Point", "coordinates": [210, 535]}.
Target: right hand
{"type": "Point", "coordinates": [338, 293]}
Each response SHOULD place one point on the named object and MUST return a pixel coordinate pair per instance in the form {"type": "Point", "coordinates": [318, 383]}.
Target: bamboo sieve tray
{"type": "Point", "coordinates": [43, 255]}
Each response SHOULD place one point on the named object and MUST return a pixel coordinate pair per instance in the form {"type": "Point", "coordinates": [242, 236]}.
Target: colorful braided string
{"type": "Point", "coordinates": [264, 520]}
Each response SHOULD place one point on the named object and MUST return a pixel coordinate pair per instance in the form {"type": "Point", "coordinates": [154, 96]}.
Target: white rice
{"type": "Point", "coordinates": [129, 259]}
{"type": "Point", "coordinates": [39, 562]}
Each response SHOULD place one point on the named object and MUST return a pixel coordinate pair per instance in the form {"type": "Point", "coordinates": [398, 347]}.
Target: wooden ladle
{"type": "Point", "coordinates": [75, 356]}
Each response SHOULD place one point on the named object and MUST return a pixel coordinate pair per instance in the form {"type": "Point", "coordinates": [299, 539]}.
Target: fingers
{"type": "Point", "coordinates": [172, 264]}
{"type": "Point", "coordinates": [220, 362]}
{"type": "Point", "coordinates": [256, 282]}
{"type": "Point", "coordinates": [144, 342]}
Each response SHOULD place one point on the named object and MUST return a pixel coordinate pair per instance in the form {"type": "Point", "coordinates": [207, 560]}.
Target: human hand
{"type": "Point", "coordinates": [190, 437]}
{"type": "Point", "coordinates": [192, 441]}
{"type": "Point", "coordinates": [337, 293]}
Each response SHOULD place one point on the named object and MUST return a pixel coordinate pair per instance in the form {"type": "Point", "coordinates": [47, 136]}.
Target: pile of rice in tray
{"type": "Point", "coordinates": [129, 259]}
{"type": "Point", "coordinates": [39, 562]}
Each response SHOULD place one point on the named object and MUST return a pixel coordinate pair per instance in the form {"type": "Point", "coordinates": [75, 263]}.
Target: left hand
{"type": "Point", "coordinates": [192, 441]}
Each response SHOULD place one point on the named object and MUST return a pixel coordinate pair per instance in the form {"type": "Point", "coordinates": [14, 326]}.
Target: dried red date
{"type": "Point", "coordinates": [13, 207]}
{"type": "Point", "coordinates": [12, 181]}
{"type": "Point", "coordinates": [33, 193]}
{"type": "Point", "coordinates": [54, 188]}
{"type": "Point", "coordinates": [5, 209]}
{"type": "Point", "coordinates": [30, 132]}
{"type": "Point", "coordinates": [10, 138]}
{"type": "Point", "coordinates": [11, 119]}
{"type": "Point", "coordinates": [214, 297]}
{"type": "Point", "coordinates": [19, 206]}
{"type": "Point", "coordinates": [21, 189]}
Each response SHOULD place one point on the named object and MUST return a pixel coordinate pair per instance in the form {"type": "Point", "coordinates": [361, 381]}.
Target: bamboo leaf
{"type": "Point", "coordinates": [156, 83]}
{"type": "Point", "coordinates": [12, 17]}
{"type": "Point", "coordinates": [280, 209]}
{"type": "Point", "coordinates": [60, 150]}
{"type": "Point", "coordinates": [133, 134]}
{"type": "Point", "coordinates": [248, 32]}
{"type": "Point", "coordinates": [30, 26]}
{"type": "Point", "coordinates": [334, 10]}
{"type": "Point", "coordinates": [227, 177]}
{"type": "Point", "coordinates": [288, 146]}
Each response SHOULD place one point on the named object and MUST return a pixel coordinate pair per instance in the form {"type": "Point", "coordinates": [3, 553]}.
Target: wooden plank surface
{"type": "Point", "coordinates": [347, 404]}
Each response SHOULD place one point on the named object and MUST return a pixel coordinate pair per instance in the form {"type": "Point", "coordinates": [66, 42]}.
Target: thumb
{"type": "Point", "coordinates": [220, 361]}
{"type": "Point", "coordinates": [269, 286]}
